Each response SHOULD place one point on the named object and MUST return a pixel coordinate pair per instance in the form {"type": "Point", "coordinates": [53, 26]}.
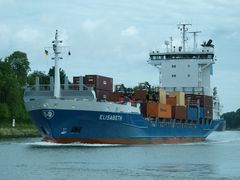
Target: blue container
{"type": "Point", "coordinates": [192, 113]}
{"type": "Point", "coordinates": [202, 115]}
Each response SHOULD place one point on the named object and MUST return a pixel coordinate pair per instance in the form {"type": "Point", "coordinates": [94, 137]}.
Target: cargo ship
{"type": "Point", "coordinates": [179, 110]}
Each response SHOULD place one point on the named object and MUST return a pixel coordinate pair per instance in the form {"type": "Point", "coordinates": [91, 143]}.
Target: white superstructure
{"type": "Point", "coordinates": [185, 70]}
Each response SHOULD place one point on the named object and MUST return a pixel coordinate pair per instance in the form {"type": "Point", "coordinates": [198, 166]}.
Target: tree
{"type": "Point", "coordinates": [43, 78]}
{"type": "Point", "coordinates": [62, 74]}
{"type": "Point", "coordinates": [4, 112]}
{"type": "Point", "coordinates": [232, 119]}
{"type": "Point", "coordinates": [19, 64]}
{"type": "Point", "coordinates": [13, 76]}
{"type": "Point", "coordinates": [10, 93]}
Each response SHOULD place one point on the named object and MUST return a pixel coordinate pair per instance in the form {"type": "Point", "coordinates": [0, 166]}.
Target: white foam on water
{"type": "Point", "coordinates": [51, 144]}
{"type": "Point", "coordinates": [224, 137]}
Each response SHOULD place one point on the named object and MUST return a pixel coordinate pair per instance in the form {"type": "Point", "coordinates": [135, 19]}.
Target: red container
{"type": "Point", "coordinates": [76, 80]}
{"type": "Point", "coordinates": [179, 112]}
{"type": "Point", "coordinates": [115, 96]}
{"type": "Point", "coordinates": [98, 82]}
{"type": "Point", "coordinates": [193, 99]}
{"type": "Point", "coordinates": [102, 95]}
{"type": "Point", "coordinates": [140, 95]}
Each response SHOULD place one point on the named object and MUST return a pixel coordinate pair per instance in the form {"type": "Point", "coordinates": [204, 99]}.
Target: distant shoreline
{"type": "Point", "coordinates": [28, 130]}
{"type": "Point", "coordinates": [23, 130]}
{"type": "Point", "coordinates": [233, 129]}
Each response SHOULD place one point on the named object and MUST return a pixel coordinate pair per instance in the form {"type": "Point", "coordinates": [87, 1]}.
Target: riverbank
{"type": "Point", "coordinates": [21, 130]}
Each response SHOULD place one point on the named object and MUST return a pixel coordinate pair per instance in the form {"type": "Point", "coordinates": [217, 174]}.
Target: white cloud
{"type": "Point", "coordinates": [130, 31]}
{"type": "Point", "coordinates": [113, 38]}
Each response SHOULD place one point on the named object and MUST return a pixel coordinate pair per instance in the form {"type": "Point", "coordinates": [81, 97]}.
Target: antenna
{"type": "Point", "coordinates": [167, 44]}
{"type": "Point", "coordinates": [194, 39]}
{"type": "Point", "coordinates": [171, 40]}
{"type": "Point", "coordinates": [182, 27]}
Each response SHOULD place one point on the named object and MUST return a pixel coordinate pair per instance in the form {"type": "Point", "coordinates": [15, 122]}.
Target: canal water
{"type": "Point", "coordinates": [29, 158]}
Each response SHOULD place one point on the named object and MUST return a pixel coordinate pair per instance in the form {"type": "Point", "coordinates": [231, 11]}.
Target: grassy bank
{"type": "Point", "coordinates": [21, 130]}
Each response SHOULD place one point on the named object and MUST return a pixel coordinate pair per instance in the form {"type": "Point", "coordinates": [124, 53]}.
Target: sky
{"type": "Point", "coordinates": [113, 38]}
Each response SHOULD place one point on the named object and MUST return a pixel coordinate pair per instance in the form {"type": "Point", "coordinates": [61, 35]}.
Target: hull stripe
{"type": "Point", "coordinates": [124, 140]}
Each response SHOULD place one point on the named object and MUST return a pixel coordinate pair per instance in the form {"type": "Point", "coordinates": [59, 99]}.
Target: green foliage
{"type": "Point", "coordinates": [14, 76]}
{"type": "Point", "coordinates": [232, 119]}
{"type": "Point", "coordinates": [62, 74]}
{"type": "Point", "coordinates": [13, 73]}
{"type": "Point", "coordinates": [19, 64]}
{"type": "Point", "coordinates": [4, 112]}
{"type": "Point", "coordinates": [43, 78]}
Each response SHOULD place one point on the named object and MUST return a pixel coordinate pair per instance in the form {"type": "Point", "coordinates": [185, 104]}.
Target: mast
{"type": "Point", "coordinates": [194, 39]}
{"type": "Point", "coordinates": [183, 28]}
{"type": "Point", "coordinates": [171, 40]}
{"type": "Point", "coordinates": [56, 58]}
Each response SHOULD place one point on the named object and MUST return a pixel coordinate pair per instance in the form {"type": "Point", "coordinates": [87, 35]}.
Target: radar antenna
{"type": "Point", "coordinates": [167, 44]}
{"type": "Point", "coordinates": [182, 27]}
{"type": "Point", "coordinates": [194, 39]}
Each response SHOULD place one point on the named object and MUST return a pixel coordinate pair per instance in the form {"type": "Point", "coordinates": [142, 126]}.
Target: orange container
{"type": "Point", "coordinates": [164, 111]}
{"type": "Point", "coordinates": [171, 101]}
{"type": "Point", "coordinates": [152, 109]}
{"type": "Point", "coordinates": [159, 110]}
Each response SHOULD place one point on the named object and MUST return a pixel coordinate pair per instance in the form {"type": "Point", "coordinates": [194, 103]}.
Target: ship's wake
{"type": "Point", "coordinates": [51, 144]}
{"type": "Point", "coordinates": [223, 137]}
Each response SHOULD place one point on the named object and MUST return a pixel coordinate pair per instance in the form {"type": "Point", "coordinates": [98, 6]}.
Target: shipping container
{"type": "Point", "coordinates": [140, 95]}
{"type": "Point", "coordinates": [179, 112]}
{"type": "Point", "coordinates": [193, 99]}
{"type": "Point", "coordinates": [98, 82]}
{"type": "Point", "coordinates": [192, 113]}
{"type": "Point", "coordinates": [76, 82]}
{"type": "Point", "coordinates": [180, 97]}
{"type": "Point", "coordinates": [102, 95]}
{"type": "Point", "coordinates": [171, 101]}
{"type": "Point", "coordinates": [155, 109]}
{"type": "Point", "coordinates": [165, 111]}
{"type": "Point", "coordinates": [195, 113]}
{"type": "Point", "coordinates": [76, 79]}
{"type": "Point", "coordinates": [115, 96]}
{"type": "Point", "coordinates": [152, 109]}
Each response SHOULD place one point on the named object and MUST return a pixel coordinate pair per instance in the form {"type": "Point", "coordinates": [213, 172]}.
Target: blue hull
{"type": "Point", "coordinates": [66, 126]}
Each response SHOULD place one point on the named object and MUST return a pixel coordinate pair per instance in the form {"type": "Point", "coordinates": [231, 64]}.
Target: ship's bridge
{"type": "Point", "coordinates": [156, 55]}
{"type": "Point", "coordinates": [181, 69]}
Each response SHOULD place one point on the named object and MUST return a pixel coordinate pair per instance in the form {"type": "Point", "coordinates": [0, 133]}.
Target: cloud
{"type": "Point", "coordinates": [114, 38]}
{"type": "Point", "coordinates": [130, 31]}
